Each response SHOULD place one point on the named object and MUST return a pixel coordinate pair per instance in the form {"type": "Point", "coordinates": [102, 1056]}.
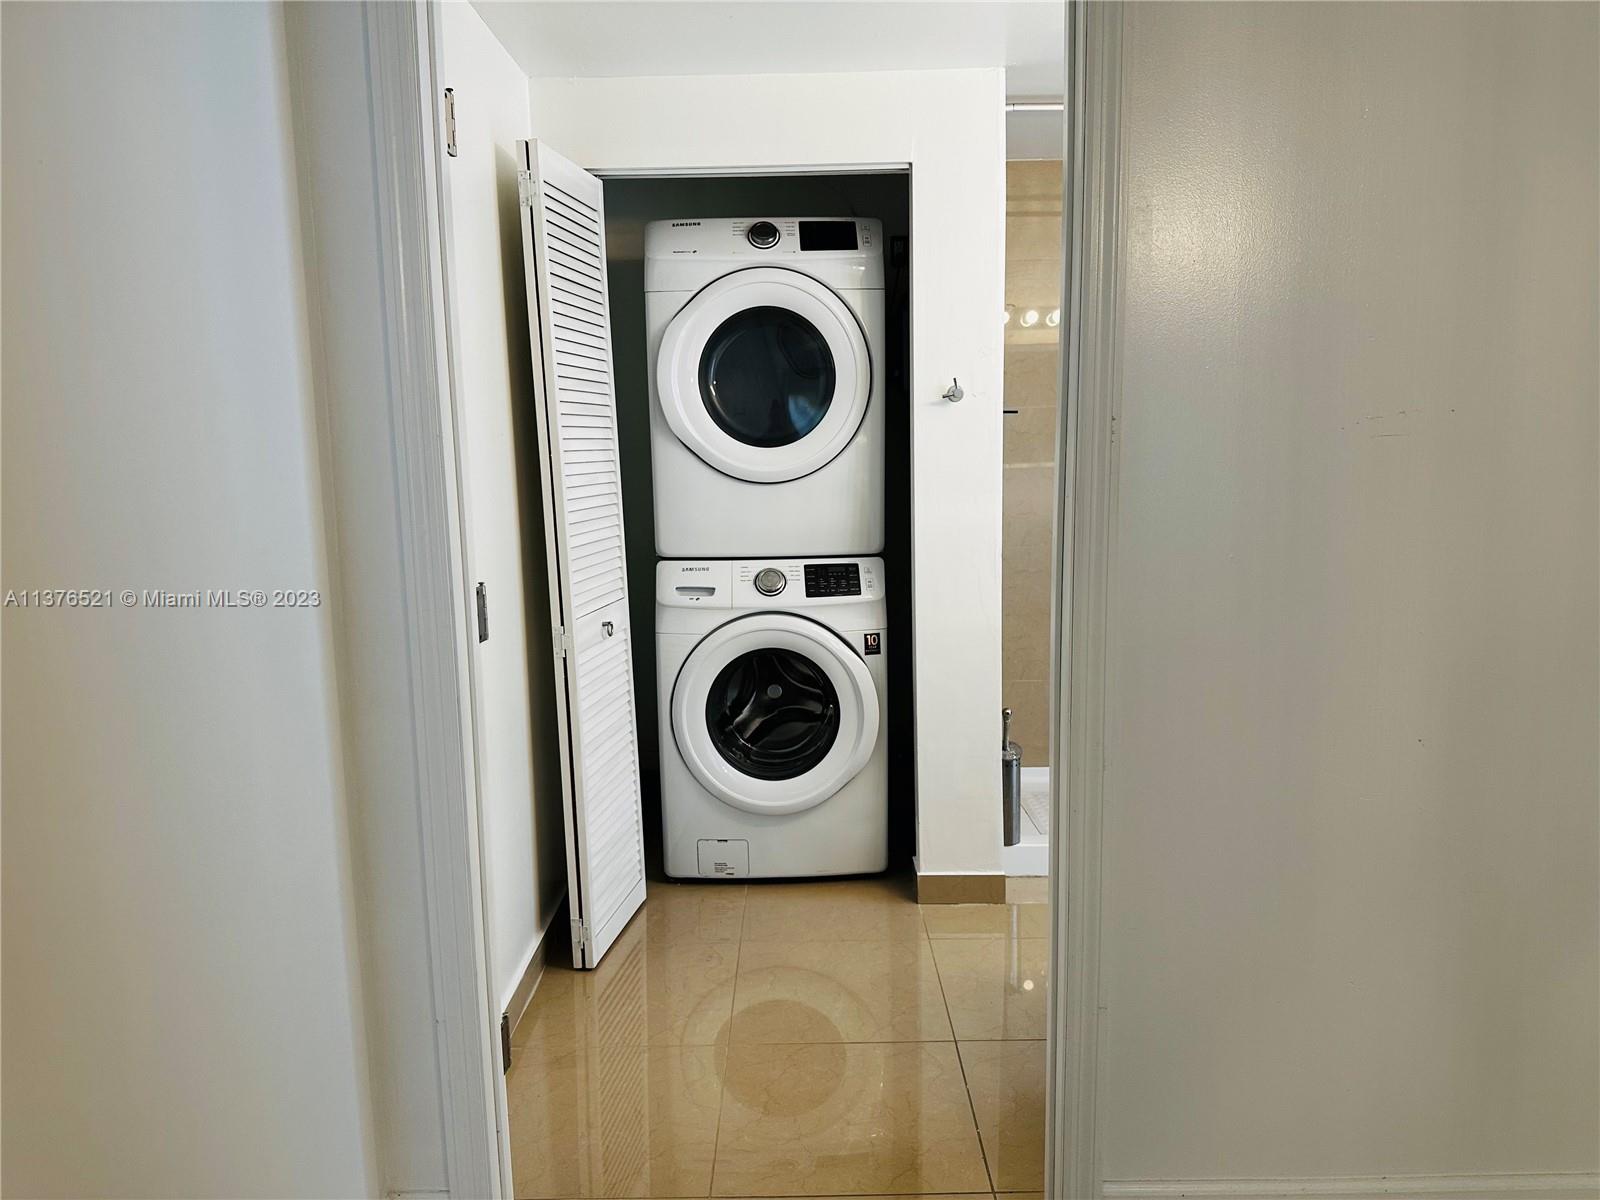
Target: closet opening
{"type": "Point", "coordinates": [820, 200]}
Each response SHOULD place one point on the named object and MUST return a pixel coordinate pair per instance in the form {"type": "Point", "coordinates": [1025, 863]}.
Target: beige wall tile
{"type": "Point", "coordinates": [1027, 581]}
{"type": "Point", "coordinates": [1016, 336]}
{"type": "Point", "coordinates": [1029, 506]}
{"type": "Point", "coordinates": [1030, 435]}
{"type": "Point", "coordinates": [1034, 282]}
{"type": "Point", "coordinates": [1028, 509]}
{"type": "Point", "coordinates": [1025, 647]}
{"type": "Point", "coordinates": [1031, 375]}
{"type": "Point", "coordinates": [1032, 386]}
{"type": "Point", "coordinates": [1034, 235]}
{"type": "Point", "coordinates": [1032, 184]}
{"type": "Point", "coordinates": [1029, 700]}
{"type": "Point", "coordinates": [1025, 636]}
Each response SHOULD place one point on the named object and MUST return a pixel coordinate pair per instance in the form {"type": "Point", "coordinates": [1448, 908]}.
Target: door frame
{"type": "Point", "coordinates": [1086, 498]}
{"type": "Point", "coordinates": [369, 133]}
{"type": "Point", "coordinates": [406, 119]}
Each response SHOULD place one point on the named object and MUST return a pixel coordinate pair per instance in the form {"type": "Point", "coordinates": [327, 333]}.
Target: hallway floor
{"type": "Point", "coordinates": [804, 1039]}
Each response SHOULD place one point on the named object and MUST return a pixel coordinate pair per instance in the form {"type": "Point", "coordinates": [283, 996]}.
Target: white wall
{"type": "Point", "coordinates": [181, 995]}
{"type": "Point", "coordinates": [1350, 852]}
{"type": "Point", "coordinates": [949, 125]}
{"type": "Point", "coordinates": [523, 833]}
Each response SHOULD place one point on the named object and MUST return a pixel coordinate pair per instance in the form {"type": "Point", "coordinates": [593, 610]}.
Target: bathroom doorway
{"type": "Point", "coordinates": [1032, 405]}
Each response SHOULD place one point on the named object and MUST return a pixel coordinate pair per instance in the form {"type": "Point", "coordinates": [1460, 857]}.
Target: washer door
{"type": "Point", "coordinates": [764, 374]}
{"type": "Point", "coordinates": [774, 713]}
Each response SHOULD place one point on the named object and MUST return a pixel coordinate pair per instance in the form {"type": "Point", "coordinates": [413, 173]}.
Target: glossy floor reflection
{"type": "Point", "coordinates": [788, 1040]}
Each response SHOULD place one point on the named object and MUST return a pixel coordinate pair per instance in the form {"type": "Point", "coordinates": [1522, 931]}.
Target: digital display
{"type": "Point", "coordinates": [833, 579]}
{"type": "Point", "coordinates": [828, 235]}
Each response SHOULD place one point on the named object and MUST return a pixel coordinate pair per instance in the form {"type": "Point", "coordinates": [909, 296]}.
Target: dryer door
{"type": "Point", "coordinates": [765, 374]}
{"type": "Point", "coordinates": [774, 713]}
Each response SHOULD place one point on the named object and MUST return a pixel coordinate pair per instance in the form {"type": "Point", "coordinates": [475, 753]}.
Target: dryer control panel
{"type": "Point", "coordinates": [764, 237]}
{"type": "Point", "coordinates": [767, 583]}
{"type": "Point", "coordinates": [843, 252]}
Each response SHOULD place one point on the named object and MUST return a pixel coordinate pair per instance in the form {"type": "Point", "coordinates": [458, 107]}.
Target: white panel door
{"type": "Point", "coordinates": [563, 242]}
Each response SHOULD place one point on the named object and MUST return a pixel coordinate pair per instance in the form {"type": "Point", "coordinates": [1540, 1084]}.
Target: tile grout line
{"type": "Point", "coordinates": [961, 1063]}
{"type": "Point", "coordinates": [647, 1043]}
{"type": "Point", "coordinates": [847, 1042]}
{"type": "Point", "coordinates": [733, 1003]}
{"type": "Point", "coordinates": [817, 1196]}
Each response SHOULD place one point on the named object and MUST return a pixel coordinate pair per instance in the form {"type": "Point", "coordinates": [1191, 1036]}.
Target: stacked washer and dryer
{"type": "Point", "coordinates": [766, 341]}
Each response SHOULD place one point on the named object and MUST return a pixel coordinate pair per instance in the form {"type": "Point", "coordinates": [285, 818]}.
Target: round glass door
{"type": "Point", "coordinates": [764, 375]}
{"type": "Point", "coordinates": [774, 713]}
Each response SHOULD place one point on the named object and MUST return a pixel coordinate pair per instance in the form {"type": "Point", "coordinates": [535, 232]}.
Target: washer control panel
{"type": "Point", "coordinates": [832, 579]}
{"type": "Point", "coordinates": [761, 584]}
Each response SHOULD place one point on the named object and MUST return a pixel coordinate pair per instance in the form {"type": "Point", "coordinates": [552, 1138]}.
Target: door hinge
{"type": "Point", "coordinates": [505, 1042]}
{"type": "Point", "coordinates": [525, 188]}
{"type": "Point", "coordinates": [483, 612]}
{"type": "Point", "coordinates": [450, 122]}
{"type": "Point", "coordinates": [563, 641]}
{"type": "Point", "coordinates": [580, 934]}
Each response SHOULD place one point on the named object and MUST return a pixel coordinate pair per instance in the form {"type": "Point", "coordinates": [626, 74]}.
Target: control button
{"type": "Point", "coordinates": [763, 235]}
{"type": "Point", "coordinates": [770, 581]}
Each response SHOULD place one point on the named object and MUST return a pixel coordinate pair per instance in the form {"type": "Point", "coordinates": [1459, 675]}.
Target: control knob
{"type": "Point", "coordinates": [770, 581]}
{"type": "Point", "coordinates": [763, 235]}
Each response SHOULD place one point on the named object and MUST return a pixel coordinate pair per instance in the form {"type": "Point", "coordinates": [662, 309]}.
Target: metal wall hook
{"type": "Point", "coordinates": [608, 627]}
{"type": "Point", "coordinates": [954, 393]}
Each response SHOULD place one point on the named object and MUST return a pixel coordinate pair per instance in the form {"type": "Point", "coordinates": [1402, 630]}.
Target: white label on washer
{"type": "Point", "coordinates": [724, 856]}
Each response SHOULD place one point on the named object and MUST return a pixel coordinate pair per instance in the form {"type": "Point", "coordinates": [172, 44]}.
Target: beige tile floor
{"type": "Point", "coordinates": [788, 1040]}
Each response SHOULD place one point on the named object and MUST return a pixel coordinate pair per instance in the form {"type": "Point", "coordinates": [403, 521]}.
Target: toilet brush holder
{"type": "Point", "coordinates": [1010, 782]}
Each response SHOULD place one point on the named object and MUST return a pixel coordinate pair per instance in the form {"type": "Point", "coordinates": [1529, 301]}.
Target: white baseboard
{"type": "Point", "coordinates": [1561, 1186]}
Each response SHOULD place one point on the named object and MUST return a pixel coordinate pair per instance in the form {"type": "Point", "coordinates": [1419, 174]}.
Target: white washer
{"type": "Point", "coordinates": [772, 685]}
{"type": "Point", "coordinates": [766, 344]}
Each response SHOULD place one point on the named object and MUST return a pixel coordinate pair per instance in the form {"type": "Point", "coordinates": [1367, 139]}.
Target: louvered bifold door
{"type": "Point", "coordinates": [563, 242]}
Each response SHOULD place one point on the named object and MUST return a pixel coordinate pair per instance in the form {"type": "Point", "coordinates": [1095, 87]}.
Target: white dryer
{"type": "Point", "coordinates": [772, 685]}
{"type": "Point", "coordinates": [766, 343]}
